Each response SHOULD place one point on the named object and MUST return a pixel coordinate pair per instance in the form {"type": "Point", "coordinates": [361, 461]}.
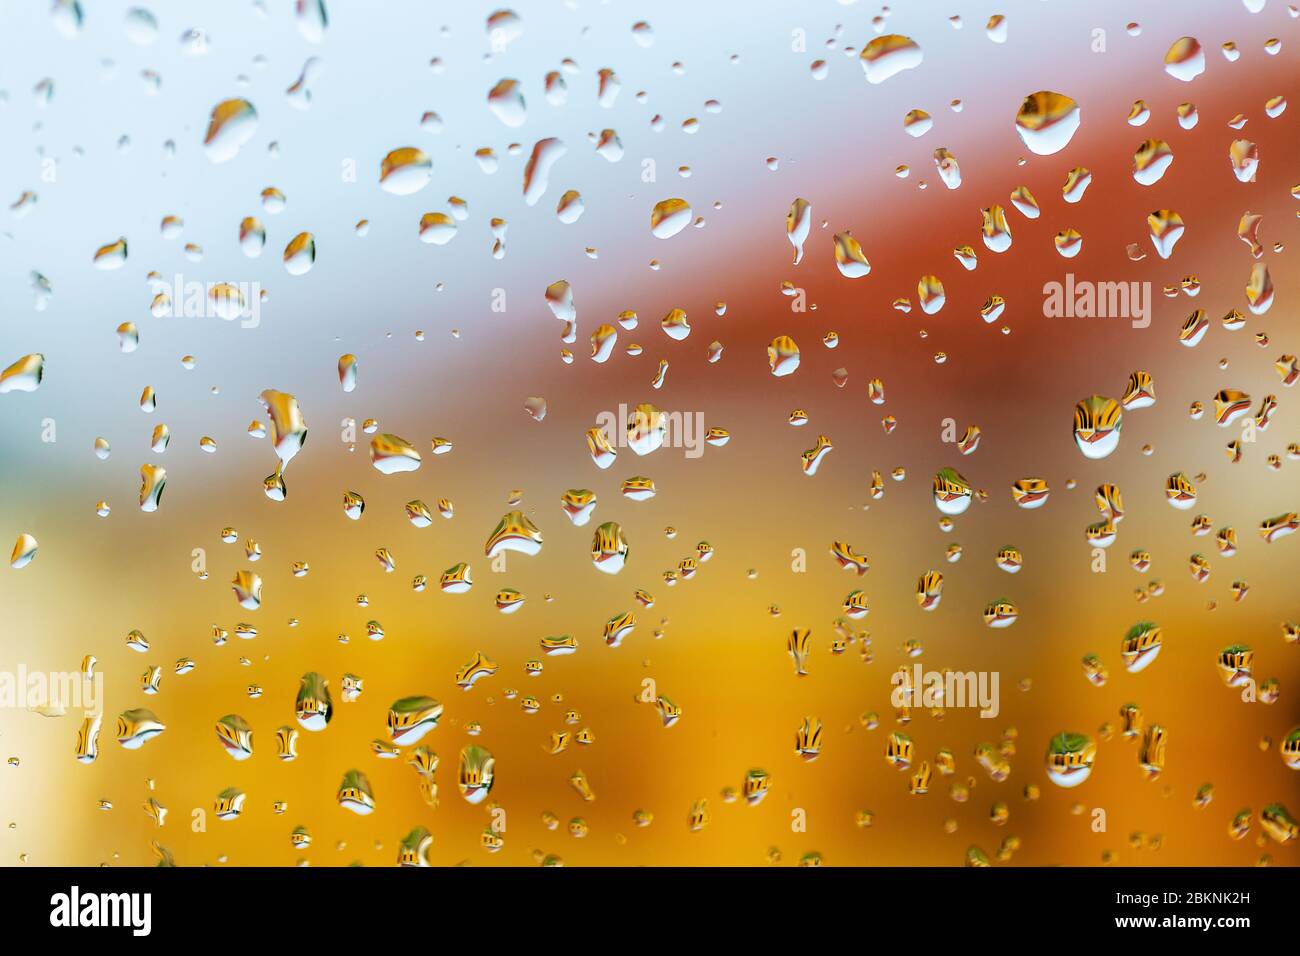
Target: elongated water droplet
{"type": "Point", "coordinates": [153, 478]}
{"type": "Point", "coordinates": [313, 707]}
{"type": "Point", "coordinates": [538, 170]}
{"type": "Point", "coordinates": [252, 236]}
{"type": "Point", "coordinates": [797, 223]}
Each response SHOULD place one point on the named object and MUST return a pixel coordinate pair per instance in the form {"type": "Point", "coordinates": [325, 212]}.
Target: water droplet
{"type": "Point", "coordinates": [1185, 60]}
{"type": "Point", "coordinates": [849, 258]}
{"type": "Point", "coordinates": [137, 727]}
{"type": "Point", "coordinates": [1047, 121]}
{"type": "Point", "coordinates": [232, 124]}
{"type": "Point", "coordinates": [797, 223]}
{"type": "Point", "coordinates": [609, 548]}
{"type": "Point", "coordinates": [886, 56]}
{"type": "Point", "coordinates": [300, 254]}
{"type": "Point", "coordinates": [111, 256]}
{"type": "Point", "coordinates": [24, 375]}
{"type": "Point", "coordinates": [24, 551]}
{"type": "Point", "coordinates": [506, 100]}
{"type": "Point", "coordinates": [355, 793]}
{"type": "Point", "coordinates": [348, 372]}
{"type": "Point", "coordinates": [405, 171]}
{"type": "Point", "coordinates": [538, 170]}
{"type": "Point", "coordinates": [669, 217]}
{"type": "Point", "coordinates": [476, 773]}
{"type": "Point", "coordinates": [1069, 759]}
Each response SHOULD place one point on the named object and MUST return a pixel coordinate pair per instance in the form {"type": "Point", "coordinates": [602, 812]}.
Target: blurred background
{"type": "Point", "coordinates": [87, 130]}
